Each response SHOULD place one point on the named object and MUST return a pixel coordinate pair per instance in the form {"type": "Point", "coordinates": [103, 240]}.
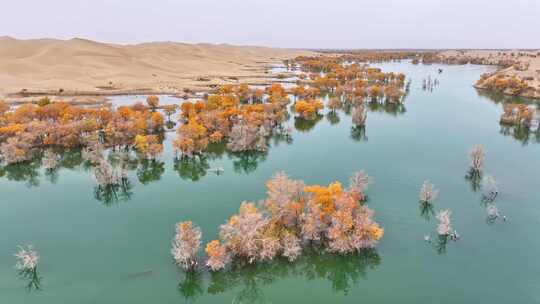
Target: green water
{"type": "Point", "coordinates": [116, 250]}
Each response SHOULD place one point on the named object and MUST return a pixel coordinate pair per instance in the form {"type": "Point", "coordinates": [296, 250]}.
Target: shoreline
{"type": "Point", "coordinates": [77, 67]}
{"type": "Point", "coordinates": [517, 72]}
{"type": "Point", "coordinates": [84, 97]}
{"type": "Point", "coordinates": [534, 96]}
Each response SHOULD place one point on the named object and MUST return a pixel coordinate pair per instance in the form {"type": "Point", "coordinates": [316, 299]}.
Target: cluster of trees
{"type": "Point", "coordinates": [308, 109]}
{"type": "Point", "coordinates": [503, 84]}
{"type": "Point", "coordinates": [348, 56]}
{"type": "Point", "coordinates": [487, 184]}
{"type": "Point", "coordinates": [462, 58]}
{"type": "Point", "coordinates": [355, 81]}
{"type": "Point", "coordinates": [28, 128]}
{"type": "Point", "coordinates": [238, 115]}
{"type": "Point", "coordinates": [517, 114]}
{"type": "Point", "coordinates": [292, 216]}
{"type": "Point", "coordinates": [27, 262]}
{"type": "Point", "coordinates": [242, 117]}
{"type": "Point", "coordinates": [428, 194]}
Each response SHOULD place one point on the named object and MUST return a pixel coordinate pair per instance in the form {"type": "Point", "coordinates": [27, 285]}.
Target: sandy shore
{"type": "Point", "coordinates": [85, 70]}
{"type": "Point", "coordinates": [524, 65]}
{"type": "Point", "coordinates": [79, 67]}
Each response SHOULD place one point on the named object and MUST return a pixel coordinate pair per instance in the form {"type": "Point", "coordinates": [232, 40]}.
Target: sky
{"type": "Point", "coordinates": [282, 23]}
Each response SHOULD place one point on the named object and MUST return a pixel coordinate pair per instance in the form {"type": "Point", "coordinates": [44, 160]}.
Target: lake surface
{"type": "Point", "coordinates": [115, 249]}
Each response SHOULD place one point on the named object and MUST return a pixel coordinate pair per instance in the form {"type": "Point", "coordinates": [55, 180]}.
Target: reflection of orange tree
{"type": "Point", "coordinates": [358, 133]}
{"type": "Point", "coordinates": [517, 114]}
{"type": "Point", "coordinates": [305, 125]}
{"type": "Point", "coordinates": [109, 169]}
{"type": "Point", "coordinates": [150, 171]}
{"type": "Point", "coordinates": [293, 216]}
{"type": "Point", "coordinates": [520, 133]}
{"type": "Point", "coordinates": [333, 118]}
{"type": "Point", "coordinates": [249, 281]}
{"type": "Point", "coordinates": [247, 161]}
{"type": "Point", "coordinates": [192, 168]}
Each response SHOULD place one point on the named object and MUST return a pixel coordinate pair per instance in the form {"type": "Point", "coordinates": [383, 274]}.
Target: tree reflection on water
{"type": "Point", "coordinates": [130, 166]}
{"type": "Point", "coordinates": [520, 132]}
{"type": "Point", "coordinates": [249, 281]}
{"type": "Point", "coordinates": [32, 277]}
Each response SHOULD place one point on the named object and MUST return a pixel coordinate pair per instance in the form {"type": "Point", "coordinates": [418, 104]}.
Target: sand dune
{"type": "Point", "coordinates": [84, 65]}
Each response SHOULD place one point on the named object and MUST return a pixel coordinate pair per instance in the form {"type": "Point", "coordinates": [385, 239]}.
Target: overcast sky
{"type": "Point", "coordinates": [283, 23]}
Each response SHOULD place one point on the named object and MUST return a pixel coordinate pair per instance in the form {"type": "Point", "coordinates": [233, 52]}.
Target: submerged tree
{"type": "Point", "coordinates": [477, 156]}
{"type": "Point", "coordinates": [192, 138]}
{"type": "Point", "coordinates": [113, 184]}
{"type": "Point", "coordinates": [308, 109]}
{"type": "Point", "coordinates": [334, 103]}
{"type": "Point", "coordinates": [185, 245]}
{"type": "Point", "coordinates": [359, 115]}
{"type": "Point", "coordinates": [492, 213]}
{"type": "Point", "coordinates": [17, 149]}
{"type": "Point", "coordinates": [27, 262]}
{"type": "Point", "coordinates": [247, 137]}
{"type": "Point", "coordinates": [358, 185]}
{"type": "Point", "coordinates": [428, 193]}
{"type": "Point", "coordinates": [444, 228]}
{"type": "Point", "coordinates": [169, 110]}
{"type": "Point", "coordinates": [27, 258]}
{"type": "Point", "coordinates": [474, 175]}
{"type": "Point", "coordinates": [218, 257]}
{"type": "Point", "coordinates": [152, 101]}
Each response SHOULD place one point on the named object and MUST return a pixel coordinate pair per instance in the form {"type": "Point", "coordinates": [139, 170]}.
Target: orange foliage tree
{"type": "Point", "coordinates": [294, 215]}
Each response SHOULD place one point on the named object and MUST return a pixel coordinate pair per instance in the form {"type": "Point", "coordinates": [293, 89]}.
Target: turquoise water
{"type": "Point", "coordinates": [116, 250]}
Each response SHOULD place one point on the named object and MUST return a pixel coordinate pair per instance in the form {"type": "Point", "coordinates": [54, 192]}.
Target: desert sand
{"type": "Point", "coordinates": [84, 67]}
